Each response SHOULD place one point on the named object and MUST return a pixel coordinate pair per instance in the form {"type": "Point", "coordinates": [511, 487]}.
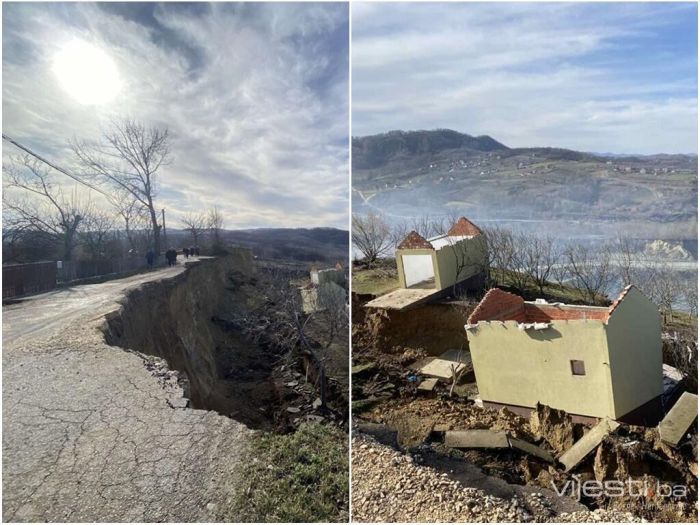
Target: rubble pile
{"type": "Point", "coordinates": [391, 487]}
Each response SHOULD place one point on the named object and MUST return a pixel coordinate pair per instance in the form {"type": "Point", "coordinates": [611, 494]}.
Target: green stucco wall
{"type": "Point", "coordinates": [634, 342]}
{"type": "Point", "coordinates": [445, 261]}
{"type": "Point", "coordinates": [525, 367]}
{"type": "Point", "coordinates": [472, 252]}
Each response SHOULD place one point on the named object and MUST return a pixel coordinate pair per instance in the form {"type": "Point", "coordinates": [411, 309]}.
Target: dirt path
{"type": "Point", "coordinates": [89, 434]}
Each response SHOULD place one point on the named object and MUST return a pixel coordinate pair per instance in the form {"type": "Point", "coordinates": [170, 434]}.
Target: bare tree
{"type": "Point", "coordinates": [128, 159]}
{"type": "Point", "coordinates": [196, 224]}
{"type": "Point", "coordinates": [371, 235]}
{"type": "Point", "coordinates": [626, 260]}
{"type": "Point", "coordinates": [501, 251]}
{"type": "Point", "coordinates": [215, 223]}
{"type": "Point", "coordinates": [665, 290]}
{"type": "Point", "coordinates": [44, 206]}
{"type": "Point", "coordinates": [332, 308]}
{"type": "Point", "coordinates": [136, 221]}
{"type": "Point", "coordinates": [97, 230]}
{"type": "Point", "coordinates": [538, 258]}
{"type": "Point", "coordinates": [591, 270]}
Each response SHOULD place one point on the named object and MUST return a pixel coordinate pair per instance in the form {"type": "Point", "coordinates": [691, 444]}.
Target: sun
{"type": "Point", "coordinates": [86, 73]}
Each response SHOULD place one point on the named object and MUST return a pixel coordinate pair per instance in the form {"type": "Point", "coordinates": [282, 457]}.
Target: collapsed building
{"type": "Point", "coordinates": [331, 281]}
{"type": "Point", "coordinates": [592, 362]}
{"type": "Point", "coordinates": [431, 268]}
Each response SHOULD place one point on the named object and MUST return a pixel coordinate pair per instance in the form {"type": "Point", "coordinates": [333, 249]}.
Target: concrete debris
{"type": "Point", "coordinates": [428, 385]}
{"type": "Point", "coordinates": [587, 443]}
{"type": "Point", "coordinates": [491, 439]}
{"type": "Point", "coordinates": [678, 420]}
{"type": "Point", "coordinates": [476, 439]}
{"type": "Point", "coordinates": [531, 449]}
{"type": "Point", "coordinates": [293, 410]}
{"type": "Point", "coordinates": [442, 367]}
{"type": "Point", "coordinates": [389, 486]}
{"type": "Point", "coordinates": [402, 298]}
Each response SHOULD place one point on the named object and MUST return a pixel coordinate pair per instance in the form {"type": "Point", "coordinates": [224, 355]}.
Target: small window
{"type": "Point", "coordinates": [578, 368]}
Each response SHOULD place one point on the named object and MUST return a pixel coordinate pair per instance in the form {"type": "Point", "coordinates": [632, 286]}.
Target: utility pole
{"type": "Point", "coordinates": [165, 239]}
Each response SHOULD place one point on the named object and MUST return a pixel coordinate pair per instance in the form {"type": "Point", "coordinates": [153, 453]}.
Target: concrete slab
{"type": "Point", "coordinates": [402, 298]}
{"type": "Point", "coordinates": [441, 367]}
{"type": "Point", "coordinates": [679, 418]}
{"type": "Point", "coordinates": [476, 439]}
{"type": "Point", "coordinates": [428, 385]}
{"type": "Point", "coordinates": [587, 443]}
{"type": "Point", "coordinates": [531, 449]}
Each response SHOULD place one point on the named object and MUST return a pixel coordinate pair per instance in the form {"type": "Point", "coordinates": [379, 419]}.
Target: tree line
{"type": "Point", "coordinates": [44, 220]}
{"type": "Point", "coordinates": [533, 264]}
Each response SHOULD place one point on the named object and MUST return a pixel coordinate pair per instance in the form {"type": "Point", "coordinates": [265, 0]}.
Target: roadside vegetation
{"type": "Point", "coordinates": [296, 477]}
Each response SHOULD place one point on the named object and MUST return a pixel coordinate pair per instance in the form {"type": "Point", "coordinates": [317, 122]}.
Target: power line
{"type": "Point", "coordinates": [57, 168]}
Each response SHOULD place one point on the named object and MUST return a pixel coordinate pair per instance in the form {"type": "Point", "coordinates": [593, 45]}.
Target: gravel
{"type": "Point", "coordinates": [388, 486]}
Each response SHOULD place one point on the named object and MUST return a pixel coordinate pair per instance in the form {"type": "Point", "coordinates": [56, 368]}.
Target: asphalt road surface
{"type": "Point", "coordinates": [90, 434]}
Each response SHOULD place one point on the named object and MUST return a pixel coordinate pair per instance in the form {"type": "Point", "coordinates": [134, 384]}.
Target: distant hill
{"type": "Point", "coordinates": [376, 150]}
{"type": "Point", "coordinates": [414, 173]}
{"type": "Point", "coordinates": [328, 245]}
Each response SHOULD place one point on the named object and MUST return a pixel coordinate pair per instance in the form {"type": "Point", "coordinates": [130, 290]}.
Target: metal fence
{"type": "Point", "coordinates": [30, 278]}
{"type": "Point", "coordinates": [67, 271]}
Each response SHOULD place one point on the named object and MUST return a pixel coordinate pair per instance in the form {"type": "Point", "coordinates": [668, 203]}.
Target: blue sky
{"type": "Point", "coordinates": [604, 77]}
{"type": "Point", "coordinates": [255, 97]}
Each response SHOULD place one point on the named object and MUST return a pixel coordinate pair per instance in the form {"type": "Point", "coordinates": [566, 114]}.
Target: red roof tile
{"type": "Point", "coordinates": [464, 227]}
{"type": "Point", "coordinates": [414, 241]}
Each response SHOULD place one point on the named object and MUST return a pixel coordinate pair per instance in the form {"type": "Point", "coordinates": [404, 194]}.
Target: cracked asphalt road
{"type": "Point", "coordinates": [88, 432]}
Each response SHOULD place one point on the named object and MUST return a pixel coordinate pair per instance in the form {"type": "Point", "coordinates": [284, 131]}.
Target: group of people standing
{"type": "Point", "coordinates": [171, 255]}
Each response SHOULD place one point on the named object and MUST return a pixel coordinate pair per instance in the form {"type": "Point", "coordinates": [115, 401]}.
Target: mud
{"type": "Point", "coordinates": [433, 328]}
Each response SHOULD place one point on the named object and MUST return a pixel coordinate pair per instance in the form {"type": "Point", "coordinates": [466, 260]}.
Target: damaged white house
{"type": "Point", "coordinates": [592, 362]}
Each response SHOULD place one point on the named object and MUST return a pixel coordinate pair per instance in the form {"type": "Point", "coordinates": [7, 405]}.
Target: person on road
{"type": "Point", "coordinates": [186, 251]}
{"type": "Point", "coordinates": [150, 258]}
{"type": "Point", "coordinates": [171, 256]}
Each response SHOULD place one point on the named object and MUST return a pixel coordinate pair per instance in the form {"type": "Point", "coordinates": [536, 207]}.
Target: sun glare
{"type": "Point", "coordinates": [86, 73]}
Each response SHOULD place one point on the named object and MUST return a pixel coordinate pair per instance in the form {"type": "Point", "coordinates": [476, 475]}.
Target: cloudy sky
{"type": "Point", "coordinates": [255, 97]}
{"type": "Point", "coordinates": [600, 77]}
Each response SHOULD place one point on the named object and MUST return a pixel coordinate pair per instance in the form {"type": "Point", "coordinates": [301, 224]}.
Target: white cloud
{"type": "Point", "coordinates": [234, 84]}
{"type": "Point", "coordinates": [593, 77]}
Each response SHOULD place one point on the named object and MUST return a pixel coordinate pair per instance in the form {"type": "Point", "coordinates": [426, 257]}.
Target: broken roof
{"type": "Point", "coordinates": [498, 305]}
{"type": "Point", "coordinates": [464, 228]}
{"type": "Point", "coordinates": [414, 241]}
{"type": "Point", "coordinates": [460, 230]}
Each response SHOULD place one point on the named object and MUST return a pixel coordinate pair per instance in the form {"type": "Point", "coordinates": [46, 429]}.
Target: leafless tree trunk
{"type": "Point", "coordinates": [332, 308]}
{"type": "Point", "coordinates": [501, 250]}
{"type": "Point", "coordinates": [44, 207]}
{"type": "Point", "coordinates": [371, 235]}
{"type": "Point", "coordinates": [196, 224]}
{"type": "Point", "coordinates": [129, 159]}
{"type": "Point", "coordinates": [538, 258]}
{"type": "Point", "coordinates": [215, 223]}
{"type": "Point", "coordinates": [97, 229]}
{"type": "Point", "coordinates": [590, 269]}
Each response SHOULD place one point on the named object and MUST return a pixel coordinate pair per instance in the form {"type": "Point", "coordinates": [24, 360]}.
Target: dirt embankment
{"type": "Point", "coordinates": [190, 321]}
{"type": "Point", "coordinates": [434, 328]}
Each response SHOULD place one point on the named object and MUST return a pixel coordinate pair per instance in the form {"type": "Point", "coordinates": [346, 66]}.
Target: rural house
{"type": "Point", "coordinates": [456, 257]}
{"type": "Point", "coordinates": [329, 281]}
{"type": "Point", "coordinates": [592, 362]}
